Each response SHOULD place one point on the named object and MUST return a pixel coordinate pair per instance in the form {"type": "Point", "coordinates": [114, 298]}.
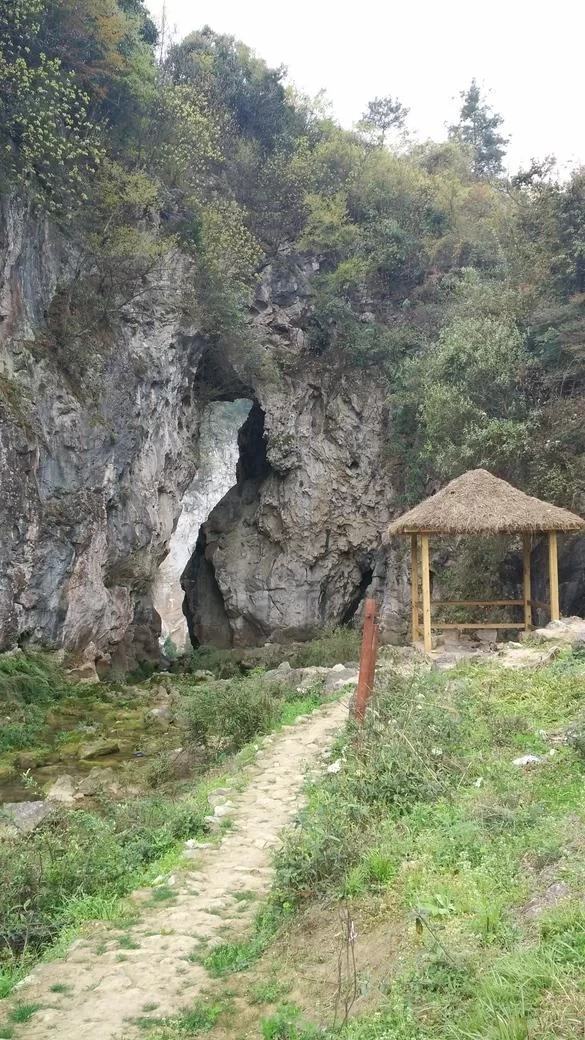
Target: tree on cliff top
{"type": "Point", "coordinates": [478, 128]}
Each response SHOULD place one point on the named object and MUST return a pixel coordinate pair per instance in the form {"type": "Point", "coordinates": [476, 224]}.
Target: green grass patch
{"type": "Point", "coordinates": [23, 1012]}
{"type": "Point", "coordinates": [430, 821]}
{"type": "Point", "coordinates": [198, 1018]}
{"type": "Point", "coordinates": [230, 957]}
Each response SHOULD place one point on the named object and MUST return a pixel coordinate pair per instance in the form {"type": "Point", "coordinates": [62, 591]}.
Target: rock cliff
{"type": "Point", "coordinates": [96, 455]}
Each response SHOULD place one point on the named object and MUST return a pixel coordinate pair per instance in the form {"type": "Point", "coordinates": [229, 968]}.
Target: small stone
{"type": "Point", "coordinates": [527, 760]}
{"type": "Point", "coordinates": [219, 796]}
{"type": "Point", "coordinates": [161, 716]}
{"type": "Point", "coordinates": [99, 779]}
{"type": "Point", "coordinates": [335, 767]}
{"type": "Point", "coordinates": [223, 810]}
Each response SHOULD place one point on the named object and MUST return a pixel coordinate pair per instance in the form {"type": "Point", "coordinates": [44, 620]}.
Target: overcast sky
{"type": "Point", "coordinates": [530, 55]}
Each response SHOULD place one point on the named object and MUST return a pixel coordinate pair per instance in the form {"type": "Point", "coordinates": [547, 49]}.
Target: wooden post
{"type": "Point", "coordinates": [414, 586]}
{"type": "Point", "coordinates": [553, 576]}
{"type": "Point", "coordinates": [527, 585]}
{"type": "Point", "coordinates": [426, 591]}
{"type": "Point", "coordinates": [367, 660]}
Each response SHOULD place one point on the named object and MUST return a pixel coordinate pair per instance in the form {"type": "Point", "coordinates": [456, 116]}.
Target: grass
{"type": "Point", "coordinates": [229, 957]}
{"type": "Point", "coordinates": [23, 1012]}
{"type": "Point", "coordinates": [60, 987]}
{"type": "Point", "coordinates": [430, 832]}
{"type": "Point", "coordinates": [99, 856]}
{"type": "Point", "coordinates": [200, 1017]}
{"type": "Point", "coordinates": [126, 942]}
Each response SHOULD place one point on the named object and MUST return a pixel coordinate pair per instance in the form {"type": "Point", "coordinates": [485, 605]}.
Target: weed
{"type": "Point", "coordinates": [60, 987]}
{"type": "Point", "coordinates": [6, 1032]}
{"type": "Point", "coordinates": [150, 1005]}
{"type": "Point", "coordinates": [237, 956]}
{"type": "Point", "coordinates": [23, 1012]}
{"type": "Point", "coordinates": [128, 943]}
{"type": "Point", "coordinates": [163, 894]}
{"type": "Point", "coordinates": [269, 992]}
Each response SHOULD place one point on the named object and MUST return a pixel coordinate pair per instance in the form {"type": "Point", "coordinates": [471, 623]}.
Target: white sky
{"type": "Point", "coordinates": [529, 54]}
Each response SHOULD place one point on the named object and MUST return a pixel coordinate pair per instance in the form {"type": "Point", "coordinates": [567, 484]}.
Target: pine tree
{"type": "Point", "coordinates": [478, 128]}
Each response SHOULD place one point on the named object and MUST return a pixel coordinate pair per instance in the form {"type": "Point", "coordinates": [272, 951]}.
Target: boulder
{"type": "Point", "coordinates": [98, 781]}
{"type": "Point", "coordinates": [97, 749]}
{"type": "Point", "coordinates": [84, 673]}
{"type": "Point", "coordinates": [162, 715]}
{"type": "Point", "coordinates": [23, 817]}
{"type": "Point", "coordinates": [62, 791]}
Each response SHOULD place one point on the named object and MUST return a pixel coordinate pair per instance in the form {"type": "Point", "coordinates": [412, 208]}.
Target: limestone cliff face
{"type": "Point", "coordinates": [295, 544]}
{"type": "Point", "coordinates": [94, 465]}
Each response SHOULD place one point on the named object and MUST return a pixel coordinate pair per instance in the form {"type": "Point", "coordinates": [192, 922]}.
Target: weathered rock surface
{"type": "Point", "coordinates": [62, 791]}
{"type": "Point", "coordinates": [22, 817]}
{"type": "Point", "coordinates": [98, 749]}
{"type": "Point", "coordinates": [99, 439]}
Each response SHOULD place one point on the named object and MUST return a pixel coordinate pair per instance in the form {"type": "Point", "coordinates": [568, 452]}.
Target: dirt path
{"type": "Point", "coordinates": [108, 982]}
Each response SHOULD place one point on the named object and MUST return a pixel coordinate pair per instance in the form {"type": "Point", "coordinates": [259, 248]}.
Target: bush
{"type": "Point", "coordinates": [337, 646]}
{"type": "Point", "coordinates": [78, 855]}
{"type": "Point", "coordinates": [226, 716]}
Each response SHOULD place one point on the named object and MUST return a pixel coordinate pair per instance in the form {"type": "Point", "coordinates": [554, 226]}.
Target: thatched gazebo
{"type": "Point", "coordinates": [479, 503]}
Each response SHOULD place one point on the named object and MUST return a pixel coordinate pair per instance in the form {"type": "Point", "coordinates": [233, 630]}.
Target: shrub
{"type": "Point", "coordinates": [74, 855]}
{"type": "Point", "coordinates": [227, 715]}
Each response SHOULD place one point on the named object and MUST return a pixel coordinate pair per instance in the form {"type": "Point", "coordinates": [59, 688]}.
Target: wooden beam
{"type": "Point", "coordinates": [414, 586]}
{"type": "Point", "coordinates": [539, 603]}
{"type": "Point", "coordinates": [553, 576]}
{"type": "Point", "coordinates": [482, 624]}
{"type": "Point", "coordinates": [527, 584]}
{"type": "Point", "coordinates": [477, 603]}
{"type": "Point", "coordinates": [367, 670]}
{"type": "Point", "coordinates": [426, 591]}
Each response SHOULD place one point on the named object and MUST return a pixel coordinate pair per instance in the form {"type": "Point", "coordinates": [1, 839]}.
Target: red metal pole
{"type": "Point", "coordinates": [367, 659]}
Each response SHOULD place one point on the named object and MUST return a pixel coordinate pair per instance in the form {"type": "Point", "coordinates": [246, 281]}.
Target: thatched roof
{"type": "Point", "coordinates": [479, 503]}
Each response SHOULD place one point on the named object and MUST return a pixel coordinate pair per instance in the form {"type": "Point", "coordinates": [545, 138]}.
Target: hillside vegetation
{"type": "Point", "coordinates": [462, 286]}
{"type": "Point", "coordinates": [432, 888]}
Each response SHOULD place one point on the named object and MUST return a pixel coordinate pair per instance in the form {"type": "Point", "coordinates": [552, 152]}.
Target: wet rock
{"type": "Point", "coordinates": [62, 791]}
{"type": "Point", "coordinates": [31, 760]}
{"type": "Point", "coordinates": [23, 817]}
{"type": "Point", "coordinates": [98, 749]}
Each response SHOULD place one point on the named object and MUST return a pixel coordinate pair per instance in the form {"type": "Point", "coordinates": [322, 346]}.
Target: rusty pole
{"type": "Point", "coordinates": [367, 659]}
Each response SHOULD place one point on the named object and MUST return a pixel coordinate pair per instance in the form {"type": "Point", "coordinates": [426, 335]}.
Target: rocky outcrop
{"type": "Point", "coordinates": [99, 440]}
{"type": "Point", "coordinates": [294, 545]}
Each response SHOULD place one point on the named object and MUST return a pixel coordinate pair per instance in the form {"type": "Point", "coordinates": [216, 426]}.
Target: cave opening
{"type": "Point", "coordinates": [219, 458]}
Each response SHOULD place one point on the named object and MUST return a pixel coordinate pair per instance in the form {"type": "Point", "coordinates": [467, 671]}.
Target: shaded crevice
{"type": "Point", "coordinates": [354, 603]}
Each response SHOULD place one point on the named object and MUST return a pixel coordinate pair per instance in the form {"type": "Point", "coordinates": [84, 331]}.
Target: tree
{"type": "Point", "coordinates": [478, 129]}
{"type": "Point", "coordinates": [382, 114]}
